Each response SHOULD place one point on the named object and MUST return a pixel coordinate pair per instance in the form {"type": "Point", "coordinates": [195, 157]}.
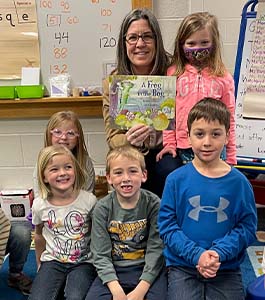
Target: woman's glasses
{"type": "Point", "coordinates": [133, 38]}
{"type": "Point", "coordinates": [70, 134]}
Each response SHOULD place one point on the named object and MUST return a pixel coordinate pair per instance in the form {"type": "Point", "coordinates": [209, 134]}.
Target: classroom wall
{"type": "Point", "coordinates": [20, 140]}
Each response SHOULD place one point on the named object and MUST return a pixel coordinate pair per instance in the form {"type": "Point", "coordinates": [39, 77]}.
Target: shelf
{"type": "Point", "coordinates": [90, 106]}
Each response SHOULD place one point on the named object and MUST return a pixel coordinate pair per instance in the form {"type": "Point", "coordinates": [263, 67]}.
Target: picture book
{"type": "Point", "coordinates": [148, 100]}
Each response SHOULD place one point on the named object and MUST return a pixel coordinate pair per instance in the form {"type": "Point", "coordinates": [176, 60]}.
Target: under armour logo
{"type": "Point", "coordinates": [196, 203]}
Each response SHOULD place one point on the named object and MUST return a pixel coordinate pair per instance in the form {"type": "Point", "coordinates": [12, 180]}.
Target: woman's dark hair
{"type": "Point", "coordinates": [161, 60]}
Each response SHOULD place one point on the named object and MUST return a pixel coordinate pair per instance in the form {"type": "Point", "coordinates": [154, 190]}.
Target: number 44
{"type": "Point", "coordinates": [61, 36]}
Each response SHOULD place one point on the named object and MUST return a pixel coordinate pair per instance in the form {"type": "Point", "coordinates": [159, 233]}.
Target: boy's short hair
{"type": "Point", "coordinates": [209, 109]}
{"type": "Point", "coordinates": [127, 151]}
{"type": "Point", "coordinates": [44, 158]}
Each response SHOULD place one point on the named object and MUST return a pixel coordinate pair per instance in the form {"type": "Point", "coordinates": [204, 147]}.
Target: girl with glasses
{"type": "Point", "coordinates": [64, 128]}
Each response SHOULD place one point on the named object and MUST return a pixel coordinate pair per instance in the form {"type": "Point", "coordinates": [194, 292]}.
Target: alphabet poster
{"type": "Point", "coordinates": [19, 44]}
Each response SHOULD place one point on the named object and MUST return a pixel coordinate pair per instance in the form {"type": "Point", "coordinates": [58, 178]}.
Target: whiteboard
{"type": "Point", "coordinates": [79, 37]}
{"type": "Point", "coordinates": [250, 133]}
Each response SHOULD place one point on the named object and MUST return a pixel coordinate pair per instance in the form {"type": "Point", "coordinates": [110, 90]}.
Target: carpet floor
{"type": "Point", "coordinates": [251, 269]}
{"type": "Point", "coordinates": [8, 293]}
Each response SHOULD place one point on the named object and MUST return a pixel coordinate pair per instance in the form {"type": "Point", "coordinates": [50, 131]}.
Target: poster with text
{"type": "Point", "coordinates": [19, 43]}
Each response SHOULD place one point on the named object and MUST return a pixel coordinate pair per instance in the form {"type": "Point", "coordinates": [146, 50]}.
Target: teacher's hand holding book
{"type": "Point", "coordinates": [137, 134]}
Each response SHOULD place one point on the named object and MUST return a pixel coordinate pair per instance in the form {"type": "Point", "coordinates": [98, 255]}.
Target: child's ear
{"type": "Point", "coordinates": [109, 179]}
{"type": "Point", "coordinates": [144, 176]}
{"type": "Point", "coordinates": [189, 138]}
{"type": "Point", "coordinates": [227, 137]}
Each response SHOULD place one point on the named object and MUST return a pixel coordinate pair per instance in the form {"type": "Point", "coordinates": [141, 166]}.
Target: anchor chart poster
{"type": "Point", "coordinates": [148, 100]}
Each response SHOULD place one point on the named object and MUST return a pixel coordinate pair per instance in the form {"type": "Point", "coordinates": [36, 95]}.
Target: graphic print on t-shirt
{"type": "Point", "coordinates": [127, 238]}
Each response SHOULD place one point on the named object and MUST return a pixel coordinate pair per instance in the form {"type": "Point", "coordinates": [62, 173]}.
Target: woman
{"type": "Point", "coordinates": [140, 51]}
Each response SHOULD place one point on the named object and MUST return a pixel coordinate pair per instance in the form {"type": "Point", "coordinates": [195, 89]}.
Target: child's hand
{"type": "Point", "coordinates": [140, 291]}
{"type": "Point", "coordinates": [138, 134]}
{"type": "Point", "coordinates": [116, 290]}
{"type": "Point", "coordinates": [134, 295]}
{"type": "Point", "coordinates": [208, 264]}
{"type": "Point", "coordinates": [120, 296]}
{"type": "Point", "coordinates": [164, 151]}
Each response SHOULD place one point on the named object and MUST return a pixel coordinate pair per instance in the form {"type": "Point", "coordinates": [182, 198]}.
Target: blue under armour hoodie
{"type": "Point", "coordinates": [199, 213]}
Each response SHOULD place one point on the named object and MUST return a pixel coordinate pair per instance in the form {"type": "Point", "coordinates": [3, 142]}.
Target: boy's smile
{"type": "Point", "coordinates": [126, 177]}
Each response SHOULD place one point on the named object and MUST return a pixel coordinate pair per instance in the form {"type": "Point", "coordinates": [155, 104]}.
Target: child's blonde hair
{"type": "Point", "coordinates": [191, 24]}
{"type": "Point", "coordinates": [80, 151]}
{"type": "Point", "coordinates": [128, 152]}
{"type": "Point", "coordinates": [44, 158]}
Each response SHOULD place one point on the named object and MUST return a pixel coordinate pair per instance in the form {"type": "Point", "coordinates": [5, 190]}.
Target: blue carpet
{"type": "Point", "coordinates": [248, 273]}
{"type": "Point", "coordinates": [8, 293]}
{"type": "Point", "coordinates": [248, 268]}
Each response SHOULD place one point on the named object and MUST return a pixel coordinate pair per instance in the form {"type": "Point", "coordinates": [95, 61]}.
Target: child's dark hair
{"type": "Point", "coordinates": [161, 59]}
{"type": "Point", "coordinates": [209, 109]}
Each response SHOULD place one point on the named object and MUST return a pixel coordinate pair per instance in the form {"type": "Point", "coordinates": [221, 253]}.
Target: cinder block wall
{"type": "Point", "coordinates": [21, 140]}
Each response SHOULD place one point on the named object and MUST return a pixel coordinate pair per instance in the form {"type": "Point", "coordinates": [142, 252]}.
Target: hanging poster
{"type": "Point", "coordinates": [19, 44]}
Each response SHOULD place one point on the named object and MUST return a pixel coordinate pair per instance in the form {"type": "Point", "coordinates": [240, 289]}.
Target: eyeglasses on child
{"type": "Point", "coordinates": [70, 134]}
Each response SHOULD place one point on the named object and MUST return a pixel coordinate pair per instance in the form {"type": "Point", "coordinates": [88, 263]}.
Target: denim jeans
{"type": "Point", "coordinates": [187, 284]}
{"type": "Point", "coordinates": [128, 279]}
{"type": "Point", "coordinates": [53, 276]}
{"type": "Point", "coordinates": [18, 245]}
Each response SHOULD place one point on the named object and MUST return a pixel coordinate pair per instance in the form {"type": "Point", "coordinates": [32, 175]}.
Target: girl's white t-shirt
{"type": "Point", "coordinates": [67, 229]}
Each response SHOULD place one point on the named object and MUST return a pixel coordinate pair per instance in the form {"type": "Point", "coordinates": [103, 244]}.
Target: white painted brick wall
{"type": "Point", "coordinates": [20, 140]}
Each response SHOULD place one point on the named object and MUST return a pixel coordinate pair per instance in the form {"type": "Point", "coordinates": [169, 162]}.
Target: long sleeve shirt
{"type": "Point", "coordinates": [192, 86]}
{"type": "Point", "coordinates": [126, 237]}
{"type": "Point", "coordinates": [4, 234]}
{"type": "Point", "coordinates": [199, 213]}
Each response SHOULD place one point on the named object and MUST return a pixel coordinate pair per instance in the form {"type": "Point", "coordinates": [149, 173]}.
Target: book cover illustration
{"type": "Point", "coordinates": [148, 100]}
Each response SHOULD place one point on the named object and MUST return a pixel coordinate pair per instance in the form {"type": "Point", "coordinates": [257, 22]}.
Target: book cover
{"type": "Point", "coordinates": [148, 100]}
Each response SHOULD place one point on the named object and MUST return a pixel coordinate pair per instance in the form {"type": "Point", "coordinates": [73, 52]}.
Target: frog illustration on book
{"type": "Point", "coordinates": [124, 88]}
{"type": "Point", "coordinates": [148, 100]}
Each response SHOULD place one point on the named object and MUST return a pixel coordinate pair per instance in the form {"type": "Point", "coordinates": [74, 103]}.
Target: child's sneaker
{"type": "Point", "coordinates": [20, 282]}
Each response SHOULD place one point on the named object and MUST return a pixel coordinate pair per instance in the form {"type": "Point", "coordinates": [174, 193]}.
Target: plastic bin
{"type": "Point", "coordinates": [7, 92]}
{"type": "Point", "coordinates": [30, 91]}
